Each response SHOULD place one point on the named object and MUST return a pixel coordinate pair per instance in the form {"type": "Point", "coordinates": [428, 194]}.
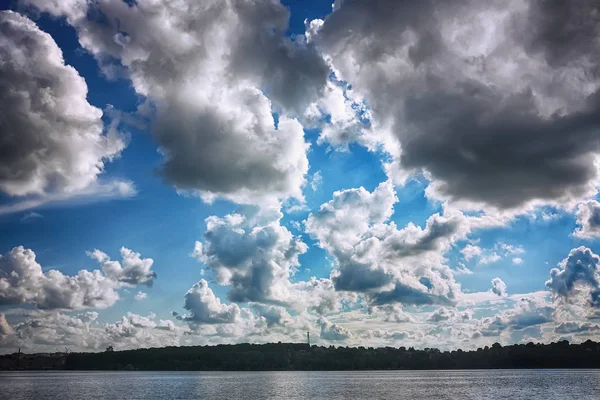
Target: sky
{"type": "Point", "coordinates": [377, 173]}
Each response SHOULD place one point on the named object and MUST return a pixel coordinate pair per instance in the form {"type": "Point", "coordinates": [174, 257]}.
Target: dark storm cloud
{"type": "Point", "coordinates": [492, 121]}
{"type": "Point", "coordinates": [564, 31]}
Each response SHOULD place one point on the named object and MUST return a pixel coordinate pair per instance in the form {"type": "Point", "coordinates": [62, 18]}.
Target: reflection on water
{"type": "Point", "coordinates": [488, 384]}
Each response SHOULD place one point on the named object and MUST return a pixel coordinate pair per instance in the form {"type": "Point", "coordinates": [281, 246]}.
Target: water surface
{"type": "Point", "coordinates": [411, 385]}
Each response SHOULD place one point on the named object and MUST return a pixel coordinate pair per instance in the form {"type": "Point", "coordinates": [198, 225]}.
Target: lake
{"type": "Point", "coordinates": [475, 384]}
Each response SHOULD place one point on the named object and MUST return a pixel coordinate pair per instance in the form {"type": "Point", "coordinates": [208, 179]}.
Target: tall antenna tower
{"type": "Point", "coordinates": [308, 338]}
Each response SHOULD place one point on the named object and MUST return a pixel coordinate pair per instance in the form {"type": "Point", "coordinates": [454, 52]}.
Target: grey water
{"type": "Point", "coordinates": [472, 384]}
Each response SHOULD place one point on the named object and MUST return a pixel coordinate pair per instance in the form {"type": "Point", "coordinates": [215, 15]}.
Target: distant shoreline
{"type": "Point", "coordinates": [301, 357]}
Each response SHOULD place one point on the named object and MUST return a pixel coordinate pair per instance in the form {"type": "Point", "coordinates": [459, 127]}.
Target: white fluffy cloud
{"type": "Point", "coordinates": [54, 144]}
{"type": "Point", "coordinates": [132, 270]}
{"type": "Point", "coordinates": [206, 308]}
{"type": "Point", "coordinates": [578, 275]}
{"type": "Point", "coordinates": [338, 113]}
{"type": "Point", "coordinates": [588, 219]}
{"type": "Point", "coordinates": [22, 280]}
{"type": "Point", "coordinates": [253, 254]}
{"type": "Point", "coordinates": [331, 331]}
{"type": "Point", "coordinates": [207, 69]}
{"type": "Point", "coordinates": [5, 329]}
{"type": "Point", "coordinates": [375, 257]}
{"type": "Point", "coordinates": [449, 314]}
{"type": "Point", "coordinates": [498, 287]}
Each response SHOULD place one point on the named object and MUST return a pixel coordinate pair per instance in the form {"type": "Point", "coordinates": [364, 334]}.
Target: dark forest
{"type": "Point", "coordinates": [297, 357]}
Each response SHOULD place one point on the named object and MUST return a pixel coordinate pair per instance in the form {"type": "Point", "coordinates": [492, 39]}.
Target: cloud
{"type": "Point", "coordinates": [31, 216]}
{"type": "Point", "coordinates": [497, 104]}
{"type": "Point", "coordinates": [462, 270]}
{"type": "Point", "coordinates": [525, 314]}
{"type": "Point", "coordinates": [578, 273]}
{"type": "Point", "coordinates": [386, 335]}
{"type": "Point", "coordinates": [449, 314]}
{"type": "Point", "coordinates": [517, 260]}
{"type": "Point", "coordinates": [588, 220]}
{"type": "Point", "coordinates": [499, 287]}
{"type": "Point", "coordinates": [253, 254]}
{"type": "Point", "coordinates": [316, 181]}
{"type": "Point", "coordinates": [376, 258]}
{"type": "Point", "coordinates": [206, 308]}
{"type": "Point", "coordinates": [402, 293]}
{"type": "Point", "coordinates": [214, 74]}
{"type": "Point", "coordinates": [133, 270]}
{"type": "Point", "coordinates": [392, 313]}
{"type": "Point", "coordinates": [575, 327]}
{"type": "Point", "coordinates": [54, 143]}
{"type": "Point", "coordinates": [22, 281]}
{"type": "Point", "coordinates": [489, 256]}
{"type": "Point", "coordinates": [341, 115]}
{"type": "Point", "coordinates": [331, 331]}
{"type": "Point", "coordinates": [95, 192]}
{"type": "Point", "coordinates": [141, 295]}
{"type": "Point", "coordinates": [273, 315]}
{"type": "Point", "coordinates": [45, 331]}
{"type": "Point", "coordinates": [5, 328]}
{"type": "Point", "coordinates": [471, 251]}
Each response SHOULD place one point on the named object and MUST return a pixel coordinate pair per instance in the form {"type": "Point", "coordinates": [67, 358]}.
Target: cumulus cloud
{"type": "Point", "coordinates": [214, 73]}
{"type": "Point", "coordinates": [498, 287]}
{"type": "Point", "coordinates": [374, 257]}
{"type": "Point", "coordinates": [54, 144]}
{"type": "Point", "coordinates": [331, 331]}
{"type": "Point", "coordinates": [132, 270]}
{"type": "Point", "coordinates": [525, 314]}
{"type": "Point", "coordinates": [319, 295]}
{"type": "Point", "coordinates": [206, 308]}
{"type": "Point", "coordinates": [22, 280]}
{"type": "Point", "coordinates": [253, 254]}
{"type": "Point", "coordinates": [578, 274]}
{"type": "Point", "coordinates": [588, 219]}
{"type": "Point", "coordinates": [392, 313]}
{"type": "Point", "coordinates": [273, 315]}
{"type": "Point", "coordinates": [5, 328]}
{"type": "Point", "coordinates": [341, 115]}
{"type": "Point", "coordinates": [495, 102]}
{"type": "Point", "coordinates": [449, 314]}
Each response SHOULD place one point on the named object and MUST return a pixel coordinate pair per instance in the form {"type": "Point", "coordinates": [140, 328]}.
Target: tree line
{"type": "Point", "coordinates": [292, 356]}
